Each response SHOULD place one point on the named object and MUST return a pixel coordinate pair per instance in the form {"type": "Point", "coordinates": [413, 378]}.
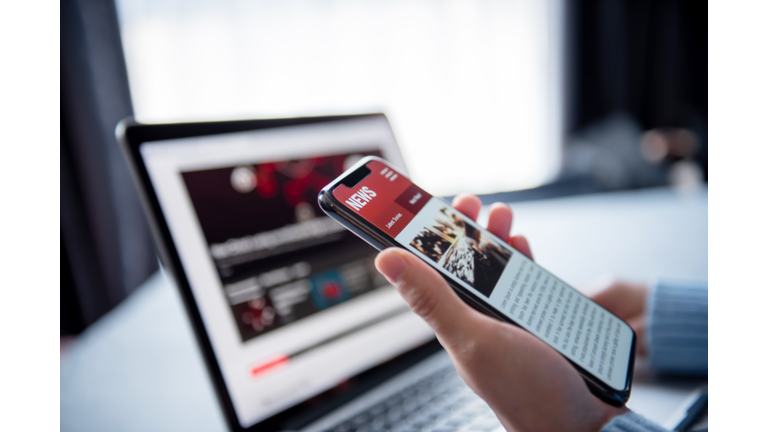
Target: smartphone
{"type": "Point", "coordinates": [383, 207]}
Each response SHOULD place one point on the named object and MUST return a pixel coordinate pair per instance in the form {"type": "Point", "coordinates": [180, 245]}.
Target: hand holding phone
{"type": "Point", "coordinates": [528, 385]}
{"type": "Point", "coordinates": [513, 367]}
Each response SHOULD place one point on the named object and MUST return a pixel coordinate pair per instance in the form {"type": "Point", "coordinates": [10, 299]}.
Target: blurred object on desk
{"type": "Point", "coordinates": [615, 154]}
{"type": "Point", "coordinates": [608, 152]}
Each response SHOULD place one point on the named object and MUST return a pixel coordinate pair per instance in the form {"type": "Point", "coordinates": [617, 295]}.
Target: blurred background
{"type": "Point", "coordinates": [515, 100]}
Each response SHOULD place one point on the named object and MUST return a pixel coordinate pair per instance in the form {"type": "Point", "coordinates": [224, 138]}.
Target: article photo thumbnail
{"type": "Point", "coordinates": [456, 246]}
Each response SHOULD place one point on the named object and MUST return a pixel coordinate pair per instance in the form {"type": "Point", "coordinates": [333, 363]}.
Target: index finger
{"type": "Point", "coordinates": [468, 205]}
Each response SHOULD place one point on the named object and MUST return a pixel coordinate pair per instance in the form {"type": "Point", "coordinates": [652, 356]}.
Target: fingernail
{"type": "Point", "coordinates": [392, 266]}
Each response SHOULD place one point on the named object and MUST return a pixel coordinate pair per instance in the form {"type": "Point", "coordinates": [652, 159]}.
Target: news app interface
{"type": "Point", "coordinates": [535, 299]}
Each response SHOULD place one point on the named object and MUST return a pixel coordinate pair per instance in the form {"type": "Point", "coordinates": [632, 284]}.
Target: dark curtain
{"type": "Point", "coordinates": [106, 246]}
{"type": "Point", "coordinates": [646, 59]}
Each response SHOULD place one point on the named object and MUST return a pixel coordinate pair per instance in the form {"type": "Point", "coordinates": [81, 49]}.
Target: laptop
{"type": "Point", "coordinates": [298, 330]}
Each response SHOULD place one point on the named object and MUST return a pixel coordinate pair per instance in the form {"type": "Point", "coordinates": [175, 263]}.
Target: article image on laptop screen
{"type": "Point", "coordinates": [290, 300]}
{"type": "Point", "coordinates": [263, 227]}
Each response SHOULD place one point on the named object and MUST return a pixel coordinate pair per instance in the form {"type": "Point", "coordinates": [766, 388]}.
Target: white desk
{"type": "Point", "coordinates": [138, 368]}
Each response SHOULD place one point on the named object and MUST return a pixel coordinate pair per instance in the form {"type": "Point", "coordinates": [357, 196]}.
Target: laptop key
{"type": "Point", "coordinates": [343, 427]}
{"type": "Point", "coordinates": [410, 404]}
{"type": "Point", "coordinates": [394, 414]}
{"type": "Point", "coordinates": [379, 423]}
{"type": "Point", "coordinates": [392, 401]}
{"type": "Point", "coordinates": [458, 421]}
{"type": "Point", "coordinates": [360, 419]}
{"type": "Point", "coordinates": [424, 396]}
{"type": "Point", "coordinates": [377, 409]}
{"type": "Point", "coordinates": [408, 392]}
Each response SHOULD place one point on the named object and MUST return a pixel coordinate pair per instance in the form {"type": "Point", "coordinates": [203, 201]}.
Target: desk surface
{"type": "Point", "coordinates": [138, 367]}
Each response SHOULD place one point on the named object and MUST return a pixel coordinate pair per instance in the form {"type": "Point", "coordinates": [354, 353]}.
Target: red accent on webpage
{"type": "Point", "coordinates": [268, 366]}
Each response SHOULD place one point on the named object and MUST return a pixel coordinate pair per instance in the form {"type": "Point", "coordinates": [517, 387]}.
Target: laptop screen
{"type": "Point", "coordinates": [290, 300]}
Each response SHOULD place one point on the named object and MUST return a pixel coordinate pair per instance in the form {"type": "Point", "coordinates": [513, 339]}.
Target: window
{"type": "Point", "coordinates": [471, 88]}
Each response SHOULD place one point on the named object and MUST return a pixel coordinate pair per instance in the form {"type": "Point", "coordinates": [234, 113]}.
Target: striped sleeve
{"type": "Point", "coordinates": [677, 328]}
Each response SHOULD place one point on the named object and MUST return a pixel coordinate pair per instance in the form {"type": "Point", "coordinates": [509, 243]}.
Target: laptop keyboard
{"type": "Point", "coordinates": [440, 402]}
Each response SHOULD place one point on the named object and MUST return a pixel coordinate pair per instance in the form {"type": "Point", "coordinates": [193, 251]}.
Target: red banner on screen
{"type": "Point", "coordinates": [385, 198]}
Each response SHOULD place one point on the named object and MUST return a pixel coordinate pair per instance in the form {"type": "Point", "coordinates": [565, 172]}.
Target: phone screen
{"type": "Point", "coordinates": [536, 300]}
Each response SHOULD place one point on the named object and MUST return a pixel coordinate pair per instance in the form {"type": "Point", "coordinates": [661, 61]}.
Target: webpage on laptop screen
{"type": "Point", "coordinates": [291, 302]}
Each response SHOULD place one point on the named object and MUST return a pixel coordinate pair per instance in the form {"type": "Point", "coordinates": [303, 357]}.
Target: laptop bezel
{"type": "Point", "coordinates": [132, 135]}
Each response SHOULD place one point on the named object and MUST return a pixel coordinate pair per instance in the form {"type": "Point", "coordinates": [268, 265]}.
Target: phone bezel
{"type": "Point", "coordinates": [379, 240]}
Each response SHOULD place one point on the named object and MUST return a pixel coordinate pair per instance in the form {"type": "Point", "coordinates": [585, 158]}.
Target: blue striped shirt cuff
{"type": "Point", "coordinates": [677, 328]}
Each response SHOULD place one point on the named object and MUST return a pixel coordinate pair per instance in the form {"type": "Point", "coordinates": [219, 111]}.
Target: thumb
{"type": "Point", "coordinates": [429, 295]}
